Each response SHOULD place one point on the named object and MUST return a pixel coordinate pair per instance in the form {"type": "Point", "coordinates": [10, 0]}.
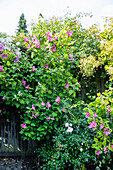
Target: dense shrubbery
{"type": "Point", "coordinates": [42, 75]}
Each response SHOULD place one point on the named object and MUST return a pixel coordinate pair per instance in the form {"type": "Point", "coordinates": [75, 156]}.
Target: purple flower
{"type": "Point", "coordinates": [1, 47]}
{"type": "Point", "coordinates": [92, 125]}
{"type": "Point", "coordinates": [48, 118]}
{"type": "Point", "coordinates": [48, 33]}
{"type": "Point", "coordinates": [106, 131]}
{"type": "Point", "coordinates": [95, 115]}
{"type": "Point", "coordinates": [69, 55]}
{"type": "Point", "coordinates": [71, 59]}
{"type": "Point", "coordinates": [4, 56]}
{"type": "Point", "coordinates": [38, 93]}
{"type": "Point", "coordinates": [74, 21]}
{"type": "Point", "coordinates": [69, 33]}
{"type": "Point", "coordinates": [34, 69]}
{"type": "Point", "coordinates": [67, 85]}
{"type": "Point", "coordinates": [50, 38]}
{"type": "Point", "coordinates": [17, 58]}
{"type": "Point", "coordinates": [48, 105]}
{"type": "Point", "coordinates": [108, 109]}
{"type": "Point", "coordinates": [57, 100]}
{"type": "Point", "coordinates": [23, 82]}
{"type": "Point", "coordinates": [37, 46]}
{"type": "Point", "coordinates": [4, 98]}
{"type": "Point", "coordinates": [15, 61]}
{"type": "Point", "coordinates": [53, 48]}
{"type": "Point", "coordinates": [102, 126]}
{"type": "Point", "coordinates": [53, 88]}
{"type": "Point", "coordinates": [42, 104]}
{"type": "Point", "coordinates": [56, 38]}
{"type": "Point", "coordinates": [98, 152]}
{"type": "Point", "coordinates": [33, 108]}
{"type": "Point", "coordinates": [33, 40]}
{"type": "Point", "coordinates": [23, 126]}
{"type": "Point", "coordinates": [27, 87]}
{"type": "Point", "coordinates": [112, 146]}
{"type": "Point", "coordinates": [105, 149]}
{"type": "Point", "coordinates": [1, 68]}
{"type": "Point", "coordinates": [52, 119]}
{"type": "Point", "coordinates": [26, 39]}
{"type": "Point", "coordinates": [46, 66]}
{"type": "Point", "coordinates": [33, 114]}
{"type": "Point", "coordinates": [87, 115]}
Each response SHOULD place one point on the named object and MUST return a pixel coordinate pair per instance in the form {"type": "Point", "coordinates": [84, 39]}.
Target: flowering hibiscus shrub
{"type": "Point", "coordinates": [30, 88]}
{"type": "Point", "coordinates": [100, 116]}
{"type": "Point", "coordinates": [71, 145]}
{"type": "Point", "coordinates": [38, 81]}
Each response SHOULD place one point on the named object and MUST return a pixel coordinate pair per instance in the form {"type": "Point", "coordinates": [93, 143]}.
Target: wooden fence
{"type": "Point", "coordinates": [11, 143]}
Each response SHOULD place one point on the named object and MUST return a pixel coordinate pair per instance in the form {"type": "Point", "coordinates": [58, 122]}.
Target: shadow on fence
{"type": "Point", "coordinates": [11, 143]}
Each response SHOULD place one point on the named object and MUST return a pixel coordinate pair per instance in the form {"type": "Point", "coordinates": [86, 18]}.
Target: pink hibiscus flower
{"type": "Point", "coordinates": [23, 126]}
{"type": "Point", "coordinates": [48, 105]}
{"type": "Point", "coordinates": [57, 100]}
{"type": "Point", "coordinates": [33, 108]}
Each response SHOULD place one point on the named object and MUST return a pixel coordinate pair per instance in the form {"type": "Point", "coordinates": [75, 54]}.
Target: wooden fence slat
{"type": "Point", "coordinates": [8, 139]}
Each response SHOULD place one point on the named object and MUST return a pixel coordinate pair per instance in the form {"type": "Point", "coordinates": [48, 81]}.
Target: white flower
{"type": "Point", "coordinates": [69, 129]}
{"type": "Point", "coordinates": [70, 124]}
{"type": "Point", "coordinates": [19, 93]}
{"type": "Point", "coordinates": [15, 96]}
{"type": "Point", "coordinates": [38, 83]}
{"type": "Point", "coordinates": [66, 124]}
{"type": "Point", "coordinates": [81, 149]}
{"type": "Point", "coordinates": [18, 43]}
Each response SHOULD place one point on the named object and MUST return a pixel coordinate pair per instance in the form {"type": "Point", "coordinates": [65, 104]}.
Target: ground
{"type": "Point", "coordinates": [8, 163]}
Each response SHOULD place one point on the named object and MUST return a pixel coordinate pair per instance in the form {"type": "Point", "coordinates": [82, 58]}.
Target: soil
{"type": "Point", "coordinates": [17, 163]}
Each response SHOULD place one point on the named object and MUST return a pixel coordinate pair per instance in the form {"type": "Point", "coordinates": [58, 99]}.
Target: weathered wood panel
{"type": "Point", "coordinates": [11, 142]}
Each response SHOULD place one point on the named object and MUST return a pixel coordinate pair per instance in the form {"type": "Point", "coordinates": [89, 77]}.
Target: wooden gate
{"type": "Point", "coordinates": [11, 143]}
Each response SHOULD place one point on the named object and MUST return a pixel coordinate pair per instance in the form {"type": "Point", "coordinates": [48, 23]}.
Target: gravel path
{"type": "Point", "coordinates": [17, 164]}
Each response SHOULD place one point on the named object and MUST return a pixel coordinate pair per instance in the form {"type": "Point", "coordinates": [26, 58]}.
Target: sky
{"type": "Point", "coordinates": [10, 11]}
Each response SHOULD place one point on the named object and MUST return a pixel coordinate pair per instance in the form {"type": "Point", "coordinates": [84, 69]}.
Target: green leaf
{"type": "Point", "coordinates": [32, 124]}
{"type": "Point", "coordinates": [17, 105]}
{"type": "Point", "coordinates": [40, 128]}
{"type": "Point", "coordinates": [8, 63]}
{"type": "Point", "coordinates": [70, 92]}
{"type": "Point", "coordinates": [54, 114]}
{"type": "Point", "coordinates": [74, 94]}
{"type": "Point", "coordinates": [27, 121]}
{"type": "Point", "coordinates": [49, 91]}
{"type": "Point", "coordinates": [22, 101]}
{"type": "Point", "coordinates": [38, 138]}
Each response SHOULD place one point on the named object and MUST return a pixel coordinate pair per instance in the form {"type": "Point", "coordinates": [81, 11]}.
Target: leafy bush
{"type": "Point", "coordinates": [100, 116]}
{"type": "Point", "coordinates": [44, 73]}
{"type": "Point", "coordinates": [72, 144]}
